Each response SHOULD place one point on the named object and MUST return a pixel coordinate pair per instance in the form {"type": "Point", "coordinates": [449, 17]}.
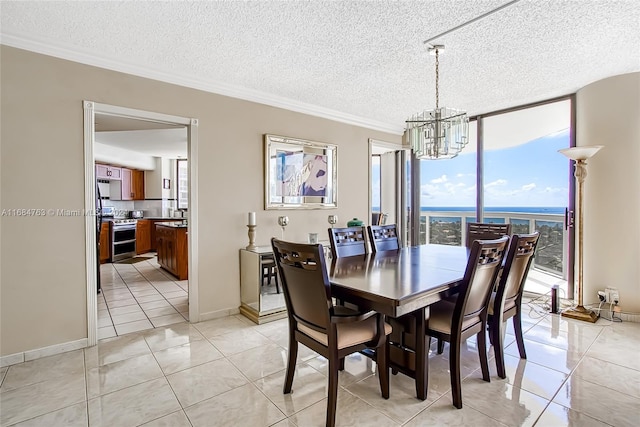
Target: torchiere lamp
{"type": "Point", "coordinates": [580, 156]}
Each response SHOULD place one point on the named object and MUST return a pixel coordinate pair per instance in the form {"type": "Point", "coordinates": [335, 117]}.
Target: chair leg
{"type": "Point", "coordinates": [454, 370]}
{"type": "Point", "coordinates": [481, 339]}
{"type": "Point", "coordinates": [496, 333]}
{"type": "Point", "coordinates": [332, 398]}
{"type": "Point", "coordinates": [382, 359]}
{"type": "Point", "coordinates": [517, 326]}
{"type": "Point", "coordinates": [341, 364]}
{"type": "Point", "coordinates": [490, 324]}
{"type": "Point", "coordinates": [291, 365]}
{"type": "Point", "coordinates": [440, 345]}
{"type": "Point", "coordinates": [275, 277]}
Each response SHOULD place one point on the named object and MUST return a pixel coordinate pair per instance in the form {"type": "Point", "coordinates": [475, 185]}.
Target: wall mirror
{"type": "Point", "coordinates": [299, 174]}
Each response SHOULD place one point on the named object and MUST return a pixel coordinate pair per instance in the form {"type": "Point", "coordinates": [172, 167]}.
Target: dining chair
{"type": "Point", "coordinates": [330, 330]}
{"type": "Point", "coordinates": [485, 231]}
{"type": "Point", "coordinates": [269, 270]}
{"type": "Point", "coordinates": [383, 237]}
{"type": "Point", "coordinates": [347, 241]}
{"type": "Point", "coordinates": [506, 301]}
{"type": "Point", "coordinates": [457, 318]}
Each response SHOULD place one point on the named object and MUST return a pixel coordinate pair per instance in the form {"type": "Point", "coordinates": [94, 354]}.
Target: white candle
{"type": "Point", "coordinates": [252, 218]}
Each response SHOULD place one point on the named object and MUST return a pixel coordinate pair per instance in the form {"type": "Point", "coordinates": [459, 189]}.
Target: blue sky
{"type": "Point", "coordinates": [528, 175]}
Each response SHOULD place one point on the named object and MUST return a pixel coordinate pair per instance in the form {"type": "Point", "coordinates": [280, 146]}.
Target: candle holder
{"type": "Point", "coordinates": [333, 219]}
{"type": "Point", "coordinates": [283, 221]}
{"type": "Point", "coordinates": [252, 237]}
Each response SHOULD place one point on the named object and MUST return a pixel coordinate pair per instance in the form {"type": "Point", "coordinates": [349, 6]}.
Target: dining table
{"type": "Point", "coordinates": [402, 284]}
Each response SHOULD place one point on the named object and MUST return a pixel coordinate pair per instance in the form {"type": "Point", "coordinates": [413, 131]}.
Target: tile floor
{"type": "Point", "coordinates": [230, 371]}
{"type": "Point", "coordinates": [139, 296]}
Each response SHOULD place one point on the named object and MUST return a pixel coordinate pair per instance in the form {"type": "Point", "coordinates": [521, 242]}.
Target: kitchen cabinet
{"type": "Point", "coordinates": [137, 185]}
{"type": "Point", "coordinates": [143, 236]}
{"type": "Point", "coordinates": [105, 243]}
{"type": "Point", "coordinates": [108, 172]}
{"type": "Point", "coordinates": [129, 187]}
{"type": "Point", "coordinates": [172, 247]}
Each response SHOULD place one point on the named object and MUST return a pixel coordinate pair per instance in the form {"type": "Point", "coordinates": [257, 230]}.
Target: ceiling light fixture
{"type": "Point", "coordinates": [440, 133]}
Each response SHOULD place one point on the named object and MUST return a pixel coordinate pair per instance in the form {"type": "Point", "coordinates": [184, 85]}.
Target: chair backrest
{"type": "Point", "coordinates": [516, 267]}
{"type": "Point", "coordinates": [375, 218]}
{"type": "Point", "coordinates": [348, 241]}
{"type": "Point", "coordinates": [383, 237]}
{"type": "Point", "coordinates": [305, 283]}
{"type": "Point", "coordinates": [482, 269]}
{"type": "Point", "coordinates": [486, 231]}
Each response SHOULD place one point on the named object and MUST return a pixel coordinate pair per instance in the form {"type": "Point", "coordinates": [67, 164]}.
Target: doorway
{"type": "Point", "coordinates": [388, 185]}
{"type": "Point", "coordinates": [141, 119]}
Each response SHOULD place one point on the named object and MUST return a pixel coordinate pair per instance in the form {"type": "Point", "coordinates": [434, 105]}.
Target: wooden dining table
{"type": "Point", "coordinates": [402, 284]}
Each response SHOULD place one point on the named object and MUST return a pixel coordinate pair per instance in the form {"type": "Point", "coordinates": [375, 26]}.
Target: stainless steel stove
{"type": "Point", "coordinates": [123, 238]}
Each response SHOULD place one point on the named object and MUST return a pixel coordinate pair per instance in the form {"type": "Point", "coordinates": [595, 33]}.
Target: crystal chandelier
{"type": "Point", "coordinates": [440, 133]}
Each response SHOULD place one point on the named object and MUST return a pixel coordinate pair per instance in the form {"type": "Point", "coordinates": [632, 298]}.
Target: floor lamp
{"type": "Point", "coordinates": [580, 156]}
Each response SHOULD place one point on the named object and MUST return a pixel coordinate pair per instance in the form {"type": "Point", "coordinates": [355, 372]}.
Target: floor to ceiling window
{"type": "Point", "coordinates": [523, 181]}
{"type": "Point", "coordinates": [448, 195]}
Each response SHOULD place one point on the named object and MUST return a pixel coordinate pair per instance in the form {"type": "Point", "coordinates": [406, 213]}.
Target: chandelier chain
{"type": "Point", "coordinates": [437, 79]}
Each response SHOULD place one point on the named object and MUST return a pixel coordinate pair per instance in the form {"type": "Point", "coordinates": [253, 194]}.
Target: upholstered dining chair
{"type": "Point", "coordinates": [332, 331]}
{"type": "Point", "coordinates": [506, 301]}
{"type": "Point", "coordinates": [383, 237]}
{"type": "Point", "coordinates": [456, 319]}
{"type": "Point", "coordinates": [347, 241]}
{"type": "Point", "coordinates": [485, 231]}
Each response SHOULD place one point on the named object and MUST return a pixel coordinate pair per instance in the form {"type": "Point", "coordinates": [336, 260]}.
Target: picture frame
{"type": "Point", "coordinates": [166, 183]}
{"type": "Point", "coordinates": [299, 174]}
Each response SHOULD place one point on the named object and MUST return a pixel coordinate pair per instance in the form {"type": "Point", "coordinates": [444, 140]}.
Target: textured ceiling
{"type": "Point", "coordinates": [361, 62]}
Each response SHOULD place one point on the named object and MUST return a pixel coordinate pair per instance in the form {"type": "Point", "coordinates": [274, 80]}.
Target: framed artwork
{"type": "Point", "coordinates": [299, 174]}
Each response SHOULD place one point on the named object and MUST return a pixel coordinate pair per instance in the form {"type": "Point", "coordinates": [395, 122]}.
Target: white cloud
{"type": "Point", "coordinates": [554, 190]}
{"type": "Point", "coordinates": [440, 180]}
{"type": "Point", "coordinates": [497, 182]}
{"type": "Point", "coordinates": [529, 187]}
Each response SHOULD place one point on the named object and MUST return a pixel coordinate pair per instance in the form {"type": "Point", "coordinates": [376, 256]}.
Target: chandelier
{"type": "Point", "coordinates": [440, 133]}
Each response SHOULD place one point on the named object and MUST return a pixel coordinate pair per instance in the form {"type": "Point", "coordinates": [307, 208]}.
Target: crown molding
{"type": "Point", "coordinates": [73, 54]}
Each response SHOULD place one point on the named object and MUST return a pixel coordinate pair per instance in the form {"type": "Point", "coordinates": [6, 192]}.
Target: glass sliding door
{"type": "Point", "coordinates": [525, 183]}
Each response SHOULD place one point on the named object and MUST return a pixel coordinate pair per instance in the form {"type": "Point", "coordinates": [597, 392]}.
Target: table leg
{"type": "Point", "coordinates": [422, 354]}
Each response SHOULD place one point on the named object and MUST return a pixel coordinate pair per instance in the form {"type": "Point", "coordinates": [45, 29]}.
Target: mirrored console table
{"type": "Point", "coordinates": [260, 301]}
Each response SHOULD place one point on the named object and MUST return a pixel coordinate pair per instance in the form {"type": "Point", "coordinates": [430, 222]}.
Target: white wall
{"type": "Point", "coordinates": [608, 113]}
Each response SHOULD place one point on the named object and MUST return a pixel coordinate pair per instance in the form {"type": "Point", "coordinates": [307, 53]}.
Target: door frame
{"type": "Point", "coordinates": [90, 109]}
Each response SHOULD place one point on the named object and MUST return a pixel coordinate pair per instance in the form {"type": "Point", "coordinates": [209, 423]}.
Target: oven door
{"type": "Point", "coordinates": [123, 240]}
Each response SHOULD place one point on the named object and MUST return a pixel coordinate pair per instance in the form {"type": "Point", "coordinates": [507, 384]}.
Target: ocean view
{"type": "Point", "coordinates": [542, 210]}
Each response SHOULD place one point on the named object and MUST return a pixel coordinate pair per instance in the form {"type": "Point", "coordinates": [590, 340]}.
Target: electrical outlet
{"type": "Point", "coordinates": [611, 295]}
{"type": "Point", "coordinates": [615, 297]}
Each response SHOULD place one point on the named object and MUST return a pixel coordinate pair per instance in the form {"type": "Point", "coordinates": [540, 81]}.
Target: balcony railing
{"type": "Point", "coordinates": [449, 228]}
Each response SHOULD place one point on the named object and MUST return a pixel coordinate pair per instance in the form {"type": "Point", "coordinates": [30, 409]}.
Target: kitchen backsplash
{"type": "Point", "coordinates": [151, 208]}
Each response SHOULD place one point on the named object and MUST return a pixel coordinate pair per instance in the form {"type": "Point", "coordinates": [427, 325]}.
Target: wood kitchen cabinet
{"type": "Point", "coordinates": [172, 247]}
{"type": "Point", "coordinates": [130, 187]}
{"type": "Point", "coordinates": [137, 185]}
{"type": "Point", "coordinates": [108, 172]}
{"type": "Point", "coordinates": [143, 236]}
{"type": "Point", "coordinates": [105, 243]}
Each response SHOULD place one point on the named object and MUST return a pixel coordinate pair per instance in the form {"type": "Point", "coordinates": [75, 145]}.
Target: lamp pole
{"type": "Point", "coordinates": [580, 156]}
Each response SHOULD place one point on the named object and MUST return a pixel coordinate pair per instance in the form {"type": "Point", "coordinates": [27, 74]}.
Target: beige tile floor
{"type": "Point", "coordinates": [139, 296]}
{"type": "Point", "coordinates": [229, 372]}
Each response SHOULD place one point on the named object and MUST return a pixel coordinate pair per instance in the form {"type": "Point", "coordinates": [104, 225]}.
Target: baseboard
{"type": "Point", "coordinates": [218, 314]}
{"type": "Point", "coordinates": [13, 359]}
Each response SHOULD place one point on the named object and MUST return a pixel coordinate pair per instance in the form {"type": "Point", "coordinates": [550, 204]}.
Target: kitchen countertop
{"type": "Point", "coordinates": [165, 218]}
{"type": "Point", "coordinates": [172, 224]}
